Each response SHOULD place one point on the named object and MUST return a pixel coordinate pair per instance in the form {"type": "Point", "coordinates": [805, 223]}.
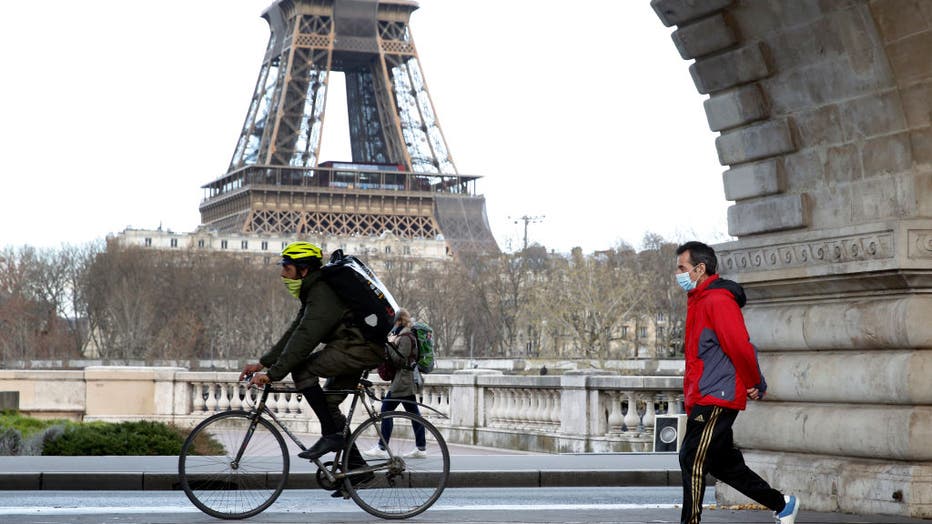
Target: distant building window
{"type": "Point", "coordinates": [200, 243]}
{"type": "Point", "coordinates": [174, 242]}
{"type": "Point", "coordinates": [223, 244]}
{"type": "Point", "coordinates": [407, 250]}
{"type": "Point", "coordinates": [388, 264]}
{"type": "Point", "coordinates": [148, 242]}
{"type": "Point", "coordinates": [659, 331]}
{"type": "Point", "coordinates": [388, 250]}
{"type": "Point", "coordinates": [660, 317]}
{"type": "Point", "coordinates": [642, 332]}
{"type": "Point", "coordinates": [244, 244]}
{"type": "Point", "coordinates": [265, 245]}
{"type": "Point", "coordinates": [284, 245]}
{"type": "Point", "coordinates": [624, 331]}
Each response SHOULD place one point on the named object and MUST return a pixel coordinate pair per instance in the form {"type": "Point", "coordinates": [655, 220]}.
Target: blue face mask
{"type": "Point", "coordinates": [685, 282]}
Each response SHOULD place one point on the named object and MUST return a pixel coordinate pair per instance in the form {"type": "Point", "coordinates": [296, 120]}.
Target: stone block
{"type": "Point", "coordinates": [881, 197]}
{"type": "Point", "coordinates": [921, 143]}
{"type": "Point", "coordinates": [909, 58]}
{"type": "Point", "coordinates": [558, 478]}
{"type": "Point", "coordinates": [729, 69]}
{"type": "Point", "coordinates": [758, 19]}
{"type": "Point", "coordinates": [753, 180]}
{"type": "Point", "coordinates": [899, 18]}
{"type": "Point", "coordinates": [803, 171]}
{"type": "Point", "coordinates": [95, 481]}
{"type": "Point", "coordinates": [736, 107]}
{"type": "Point", "coordinates": [775, 213]}
{"type": "Point", "coordinates": [805, 44]}
{"type": "Point", "coordinates": [754, 142]}
{"type": "Point", "coordinates": [818, 127]}
{"type": "Point", "coordinates": [838, 429]}
{"type": "Point", "coordinates": [703, 37]}
{"type": "Point", "coordinates": [886, 154]}
{"type": "Point", "coordinates": [675, 12]}
{"type": "Point", "coordinates": [20, 481]}
{"type": "Point", "coordinates": [917, 104]}
{"type": "Point", "coordinates": [875, 114]}
{"type": "Point", "coordinates": [843, 164]}
{"type": "Point", "coordinates": [835, 485]}
{"type": "Point", "coordinates": [904, 380]}
{"type": "Point", "coordinates": [505, 478]}
{"type": "Point", "coordinates": [822, 83]}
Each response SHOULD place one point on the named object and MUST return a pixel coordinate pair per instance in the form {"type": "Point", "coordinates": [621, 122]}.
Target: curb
{"type": "Point", "coordinates": [530, 478]}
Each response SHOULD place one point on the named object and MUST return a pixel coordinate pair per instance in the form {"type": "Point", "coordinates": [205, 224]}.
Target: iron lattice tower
{"type": "Point", "coordinates": [401, 178]}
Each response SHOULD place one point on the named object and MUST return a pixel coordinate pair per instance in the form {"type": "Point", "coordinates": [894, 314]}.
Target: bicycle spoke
{"type": "Point", "coordinates": [408, 482]}
{"type": "Point", "coordinates": [216, 483]}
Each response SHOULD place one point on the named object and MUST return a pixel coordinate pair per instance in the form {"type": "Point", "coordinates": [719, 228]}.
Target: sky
{"type": "Point", "coordinates": [580, 114]}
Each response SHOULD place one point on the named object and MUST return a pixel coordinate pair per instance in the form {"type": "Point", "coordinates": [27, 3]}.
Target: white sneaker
{"type": "Point", "coordinates": [416, 454]}
{"type": "Point", "coordinates": [788, 515]}
{"type": "Point", "coordinates": [375, 452]}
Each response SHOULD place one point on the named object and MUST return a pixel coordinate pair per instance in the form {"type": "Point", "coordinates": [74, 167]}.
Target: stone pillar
{"type": "Point", "coordinates": [824, 111]}
{"type": "Point", "coordinates": [467, 404]}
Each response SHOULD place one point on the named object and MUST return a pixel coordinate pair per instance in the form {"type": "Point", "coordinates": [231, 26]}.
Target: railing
{"type": "Point", "coordinates": [340, 179]}
{"type": "Point", "coordinates": [568, 413]}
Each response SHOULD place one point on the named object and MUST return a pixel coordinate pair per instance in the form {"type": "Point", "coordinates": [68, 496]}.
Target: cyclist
{"type": "Point", "coordinates": [323, 318]}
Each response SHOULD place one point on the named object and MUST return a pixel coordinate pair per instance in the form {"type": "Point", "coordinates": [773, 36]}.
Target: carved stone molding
{"type": "Point", "coordinates": [919, 242]}
{"type": "Point", "coordinates": [874, 246]}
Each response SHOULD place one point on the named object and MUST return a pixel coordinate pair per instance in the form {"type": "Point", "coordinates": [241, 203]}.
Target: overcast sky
{"type": "Point", "coordinates": [583, 113]}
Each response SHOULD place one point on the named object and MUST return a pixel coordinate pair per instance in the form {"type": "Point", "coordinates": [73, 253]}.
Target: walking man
{"type": "Point", "coordinates": [721, 374]}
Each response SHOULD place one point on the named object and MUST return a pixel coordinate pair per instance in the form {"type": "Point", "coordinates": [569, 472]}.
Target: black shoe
{"type": "Point", "coordinates": [326, 444]}
{"type": "Point", "coordinates": [355, 480]}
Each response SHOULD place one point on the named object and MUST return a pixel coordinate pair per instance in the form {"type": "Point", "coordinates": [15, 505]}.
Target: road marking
{"type": "Point", "coordinates": [107, 510]}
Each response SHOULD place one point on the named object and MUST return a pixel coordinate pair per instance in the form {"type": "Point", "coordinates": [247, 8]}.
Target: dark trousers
{"type": "Point", "coordinates": [389, 404]}
{"type": "Point", "coordinates": [708, 447]}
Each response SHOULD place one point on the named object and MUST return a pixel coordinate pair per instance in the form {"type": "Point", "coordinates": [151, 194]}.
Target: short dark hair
{"type": "Point", "coordinates": [700, 253]}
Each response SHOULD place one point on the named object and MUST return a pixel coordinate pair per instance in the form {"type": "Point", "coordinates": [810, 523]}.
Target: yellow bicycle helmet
{"type": "Point", "coordinates": [301, 253]}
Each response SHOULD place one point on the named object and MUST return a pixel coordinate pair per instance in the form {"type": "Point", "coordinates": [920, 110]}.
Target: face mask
{"type": "Point", "coordinates": [684, 281]}
{"type": "Point", "coordinates": [293, 286]}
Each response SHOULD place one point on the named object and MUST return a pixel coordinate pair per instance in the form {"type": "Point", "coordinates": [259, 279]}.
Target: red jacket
{"type": "Point", "coordinates": [721, 363]}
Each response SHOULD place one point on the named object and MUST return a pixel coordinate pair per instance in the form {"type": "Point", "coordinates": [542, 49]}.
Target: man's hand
{"type": "Point", "coordinates": [259, 379]}
{"type": "Point", "coordinates": [754, 394]}
{"type": "Point", "coordinates": [249, 369]}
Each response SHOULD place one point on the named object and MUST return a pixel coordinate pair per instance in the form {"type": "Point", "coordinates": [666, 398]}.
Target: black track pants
{"type": "Point", "coordinates": [708, 447]}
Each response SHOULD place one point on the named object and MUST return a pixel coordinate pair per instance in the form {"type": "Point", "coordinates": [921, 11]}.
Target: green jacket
{"type": "Point", "coordinates": [322, 319]}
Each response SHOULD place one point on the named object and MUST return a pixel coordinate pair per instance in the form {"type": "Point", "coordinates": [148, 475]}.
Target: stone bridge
{"type": "Point", "coordinates": [823, 109]}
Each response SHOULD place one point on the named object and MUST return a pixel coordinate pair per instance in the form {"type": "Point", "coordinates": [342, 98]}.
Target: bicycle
{"type": "Point", "coordinates": [248, 467]}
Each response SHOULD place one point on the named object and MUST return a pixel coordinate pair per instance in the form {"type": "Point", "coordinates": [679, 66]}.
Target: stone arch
{"type": "Point", "coordinates": [824, 109]}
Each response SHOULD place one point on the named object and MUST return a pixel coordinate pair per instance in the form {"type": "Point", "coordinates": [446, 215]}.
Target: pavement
{"type": "Point", "coordinates": [471, 467]}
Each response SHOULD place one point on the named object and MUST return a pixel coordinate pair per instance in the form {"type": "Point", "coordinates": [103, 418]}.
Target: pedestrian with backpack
{"type": "Point", "coordinates": [324, 317]}
{"type": "Point", "coordinates": [405, 386]}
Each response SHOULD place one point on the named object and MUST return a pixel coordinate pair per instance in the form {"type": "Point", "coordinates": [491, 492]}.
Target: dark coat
{"type": "Point", "coordinates": [323, 318]}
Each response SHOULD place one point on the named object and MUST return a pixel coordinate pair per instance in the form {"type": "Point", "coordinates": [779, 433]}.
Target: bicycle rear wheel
{"type": "Point", "coordinates": [407, 482]}
{"type": "Point", "coordinates": [216, 482]}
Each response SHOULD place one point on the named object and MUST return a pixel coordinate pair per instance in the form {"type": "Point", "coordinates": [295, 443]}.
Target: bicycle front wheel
{"type": "Point", "coordinates": [232, 466]}
{"type": "Point", "coordinates": [411, 474]}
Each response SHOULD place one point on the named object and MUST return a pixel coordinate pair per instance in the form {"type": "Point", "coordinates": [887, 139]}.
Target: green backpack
{"type": "Point", "coordinates": [424, 338]}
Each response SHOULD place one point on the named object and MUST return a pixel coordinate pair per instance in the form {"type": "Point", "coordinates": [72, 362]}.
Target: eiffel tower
{"type": "Point", "coordinates": [401, 177]}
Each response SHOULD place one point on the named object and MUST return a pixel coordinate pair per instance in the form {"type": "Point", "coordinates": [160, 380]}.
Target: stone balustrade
{"type": "Point", "coordinates": [568, 413]}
